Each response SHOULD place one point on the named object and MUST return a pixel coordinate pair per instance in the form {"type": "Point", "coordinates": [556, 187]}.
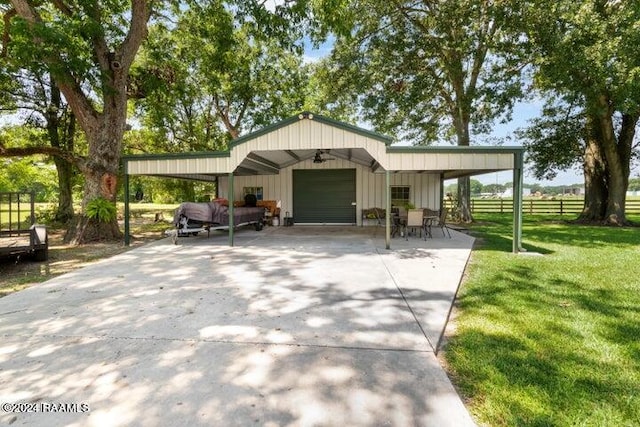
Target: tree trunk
{"type": "Point", "coordinates": [464, 199]}
{"type": "Point", "coordinates": [617, 171]}
{"type": "Point", "coordinates": [103, 127]}
{"type": "Point", "coordinates": [188, 191]}
{"type": "Point", "coordinates": [101, 171]}
{"type": "Point", "coordinates": [595, 179]}
{"type": "Point", "coordinates": [461, 123]}
{"type": "Point", "coordinates": [64, 212]}
{"type": "Point", "coordinates": [595, 185]}
{"type": "Point", "coordinates": [61, 131]}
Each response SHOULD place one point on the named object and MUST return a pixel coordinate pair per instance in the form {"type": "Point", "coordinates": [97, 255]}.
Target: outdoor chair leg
{"type": "Point", "coordinates": [427, 230]}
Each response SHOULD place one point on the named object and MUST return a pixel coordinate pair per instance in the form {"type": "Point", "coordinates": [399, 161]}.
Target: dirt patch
{"type": "Point", "coordinates": [17, 273]}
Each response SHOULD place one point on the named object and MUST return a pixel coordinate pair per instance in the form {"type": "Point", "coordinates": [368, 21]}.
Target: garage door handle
{"type": "Point", "coordinates": [353, 203]}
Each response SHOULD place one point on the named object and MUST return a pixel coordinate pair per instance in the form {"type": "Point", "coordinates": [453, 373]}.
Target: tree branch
{"type": "Point", "coordinates": [63, 8]}
{"type": "Point", "coordinates": [140, 13]}
{"type": "Point", "coordinates": [48, 151]}
{"type": "Point", "coordinates": [6, 37]}
{"type": "Point", "coordinates": [486, 36]}
{"type": "Point", "coordinates": [243, 110]}
{"type": "Point", "coordinates": [73, 93]}
{"type": "Point", "coordinates": [100, 47]}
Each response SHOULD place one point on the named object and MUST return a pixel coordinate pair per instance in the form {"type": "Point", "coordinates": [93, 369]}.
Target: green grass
{"type": "Point", "coordinates": [9, 215]}
{"type": "Point", "coordinates": [552, 339]}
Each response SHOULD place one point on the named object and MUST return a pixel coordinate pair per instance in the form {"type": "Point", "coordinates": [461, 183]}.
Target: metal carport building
{"type": "Point", "coordinates": [344, 167]}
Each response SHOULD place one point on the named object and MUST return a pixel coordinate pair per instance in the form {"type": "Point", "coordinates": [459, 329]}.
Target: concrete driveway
{"type": "Point", "coordinates": [292, 326]}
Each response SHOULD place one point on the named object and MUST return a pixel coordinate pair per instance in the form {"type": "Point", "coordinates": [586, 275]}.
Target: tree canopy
{"type": "Point", "coordinates": [586, 57]}
{"type": "Point", "coordinates": [210, 77]}
{"type": "Point", "coordinates": [202, 72]}
{"type": "Point", "coordinates": [428, 71]}
{"type": "Point", "coordinates": [89, 47]}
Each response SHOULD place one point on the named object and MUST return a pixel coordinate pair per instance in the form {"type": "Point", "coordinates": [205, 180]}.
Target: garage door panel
{"type": "Point", "coordinates": [324, 196]}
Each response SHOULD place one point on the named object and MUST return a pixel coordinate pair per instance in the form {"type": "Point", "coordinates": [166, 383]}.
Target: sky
{"type": "Point", "coordinates": [522, 113]}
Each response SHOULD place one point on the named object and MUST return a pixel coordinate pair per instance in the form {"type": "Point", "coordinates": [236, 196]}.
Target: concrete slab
{"type": "Point", "coordinates": [292, 326]}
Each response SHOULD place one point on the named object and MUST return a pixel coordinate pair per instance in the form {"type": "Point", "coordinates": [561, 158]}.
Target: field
{"type": "Point", "coordinates": [14, 215]}
{"type": "Point", "coordinates": [552, 338]}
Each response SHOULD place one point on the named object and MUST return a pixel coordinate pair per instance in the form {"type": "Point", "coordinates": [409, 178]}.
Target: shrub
{"type": "Point", "coordinates": [101, 210]}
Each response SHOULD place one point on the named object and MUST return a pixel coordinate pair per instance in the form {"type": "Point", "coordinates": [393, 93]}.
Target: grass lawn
{"type": "Point", "coordinates": [551, 339]}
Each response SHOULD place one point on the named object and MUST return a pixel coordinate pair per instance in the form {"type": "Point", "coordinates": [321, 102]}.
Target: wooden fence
{"type": "Point", "coordinates": [537, 206]}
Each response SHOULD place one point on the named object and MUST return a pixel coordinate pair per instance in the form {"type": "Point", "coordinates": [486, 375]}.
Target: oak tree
{"type": "Point", "coordinates": [213, 76]}
{"type": "Point", "coordinates": [88, 48]}
{"type": "Point", "coordinates": [428, 70]}
{"type": "Point", "coordinates": [586, 55]}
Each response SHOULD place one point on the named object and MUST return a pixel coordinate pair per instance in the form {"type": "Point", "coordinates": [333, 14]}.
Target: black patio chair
{"type": "Point", "coordinates": [441, 222]}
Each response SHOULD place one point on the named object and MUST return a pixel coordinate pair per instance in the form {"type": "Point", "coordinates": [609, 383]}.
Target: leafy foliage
{"type": "Point", "coordinates": [585, 53]}
{"type": "Point", "coordinates": [428, 71]}
{"type": "Point", "coordinates": [555, 141]}
{"type": "Point", "coordinates": [425, 71]}
{"type": "Point", "coordinates": [87, 48]}
{"type": "Point", "coordinates": [29, 174]}
{"type": "Point", "coordinates": [587, 47]}
{"type": "Point", "coordinates": [212, 77]}
{"type": "Point", "coordinates": [101, 210]}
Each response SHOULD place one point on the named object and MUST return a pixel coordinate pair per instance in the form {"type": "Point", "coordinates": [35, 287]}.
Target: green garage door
{"type": "Point", "coordinates": [324, 196]}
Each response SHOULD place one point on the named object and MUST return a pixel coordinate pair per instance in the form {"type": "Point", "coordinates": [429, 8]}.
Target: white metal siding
{"type": "Point", "coordinates": [417, 161]}
{"type": "Point", "coordinates": [370, 187]}
{"type": "Point", "coordinates": [309, 135]}
{"type": "Point", "coordinates": [312, 135]}
{"type": "Point", "coordinates": [206, 165]}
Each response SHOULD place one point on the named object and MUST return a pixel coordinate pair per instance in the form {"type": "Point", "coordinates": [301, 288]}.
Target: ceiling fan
{"type": "Point", "coordinates": [318, 157]}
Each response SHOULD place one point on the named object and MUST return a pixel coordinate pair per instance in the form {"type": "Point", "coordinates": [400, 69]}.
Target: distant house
{"type": "Point", "coordinates": [574, 191]}
{"type": "Point", "coordinates": [508, 192]}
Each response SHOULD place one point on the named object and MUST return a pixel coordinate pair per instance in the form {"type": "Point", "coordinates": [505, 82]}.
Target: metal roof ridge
{"type": "Point", "coordinates": [455, 148]}
{"type": "Point", "coordinates": [303, 115]}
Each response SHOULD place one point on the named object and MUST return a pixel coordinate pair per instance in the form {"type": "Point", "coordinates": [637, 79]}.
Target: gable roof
{"type": "Point", "coordinates": [316, 117]}
{"type": "Point", "coordinates": [269, 149]}
{"type": "Point", "coordinates": [299, 138]}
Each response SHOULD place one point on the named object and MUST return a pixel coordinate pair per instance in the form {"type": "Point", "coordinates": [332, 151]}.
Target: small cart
{"type": "Point", "coordinates": [19, 234]}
